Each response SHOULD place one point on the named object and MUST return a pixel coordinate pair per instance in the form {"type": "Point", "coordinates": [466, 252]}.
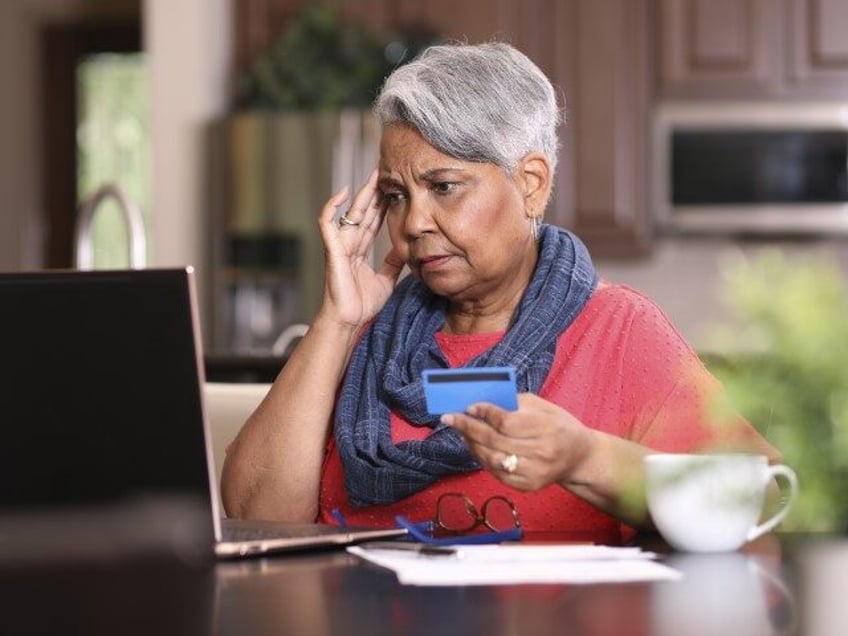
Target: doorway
{"type": "Point", "coordinates": [89, 72]}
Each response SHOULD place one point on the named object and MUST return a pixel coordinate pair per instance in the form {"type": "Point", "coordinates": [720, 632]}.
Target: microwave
{"type": "Point", "coordinates": [751, 168]}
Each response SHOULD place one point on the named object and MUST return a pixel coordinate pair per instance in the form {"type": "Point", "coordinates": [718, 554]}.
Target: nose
{"type": "Point", "coordinates": [419, 216]}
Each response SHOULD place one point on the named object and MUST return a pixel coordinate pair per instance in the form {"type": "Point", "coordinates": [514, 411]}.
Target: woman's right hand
{"type": "Point", "coordinates": [273, 468]}
{"type": "Point", "coordinates": [353, 291]}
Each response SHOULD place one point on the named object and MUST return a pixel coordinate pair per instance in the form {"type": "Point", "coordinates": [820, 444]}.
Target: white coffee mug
{"type": "Point", "coordinates": [711, 503]}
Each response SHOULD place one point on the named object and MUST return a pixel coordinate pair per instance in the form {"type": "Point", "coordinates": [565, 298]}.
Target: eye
{"type": "Point", "coordinates": [443, 187]}
{"type": "Point", "coordinates": [392, 197]}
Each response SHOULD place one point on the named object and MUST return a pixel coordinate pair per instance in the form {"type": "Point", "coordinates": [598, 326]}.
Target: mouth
{"type": "Point", "coordinates": [431, 263]}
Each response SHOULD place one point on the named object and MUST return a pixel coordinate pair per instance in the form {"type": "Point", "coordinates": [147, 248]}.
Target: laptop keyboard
{"type": "Point", "coordinates": [239, 530]}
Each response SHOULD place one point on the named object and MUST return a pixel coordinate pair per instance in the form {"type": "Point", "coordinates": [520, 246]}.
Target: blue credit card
{"type": "Point", "coordinates": [454, 390]}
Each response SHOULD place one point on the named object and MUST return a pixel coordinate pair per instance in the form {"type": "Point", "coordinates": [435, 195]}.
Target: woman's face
{"type": "Point", "coordinates": [461, 227]}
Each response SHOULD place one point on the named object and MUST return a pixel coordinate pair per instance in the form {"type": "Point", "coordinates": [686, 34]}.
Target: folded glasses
{"type": "Point", "coordinates": [457, 517]}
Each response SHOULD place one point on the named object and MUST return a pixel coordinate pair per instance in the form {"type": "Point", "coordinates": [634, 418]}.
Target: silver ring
{"type": "Point", "coordinates": [344, 221]}
{"type": "Point", "coordinates": [510, 463]}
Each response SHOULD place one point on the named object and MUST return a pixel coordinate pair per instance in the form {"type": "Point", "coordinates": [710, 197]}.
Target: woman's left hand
{"type": "Point", "coordinates": [549, 445]}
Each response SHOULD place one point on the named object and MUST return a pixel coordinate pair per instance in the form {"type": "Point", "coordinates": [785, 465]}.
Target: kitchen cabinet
{"type": "Point", "coordinates": [606, 140]}
{"type": "Point", "coordinates": [722, 49]}
{"type": "Point", "coordinates": [819, 47]}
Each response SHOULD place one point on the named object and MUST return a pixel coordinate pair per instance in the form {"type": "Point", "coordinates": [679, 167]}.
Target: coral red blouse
{"type": "Point", "coordinates": [621, 368]}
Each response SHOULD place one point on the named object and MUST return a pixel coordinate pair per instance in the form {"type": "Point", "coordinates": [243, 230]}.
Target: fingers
{"type": "Point", "coordinates": [487, 433]}
{"type": "Point", "coordinates": [327, 224]}
{"type": "Point", "coordinates": [526, 449]}
{"type": "Point", "coordinates": [489, 446]}
{"type": "Point", "coordinates": [328, 212]}
{"type": "Point", "coordinates": [365, 210]}
{"type": "Point", "coordinates": [525, 423]}
{"type": "Point", "coordinates": [352, 231]}
{"type": "Point", "coordinates": [511, 461]}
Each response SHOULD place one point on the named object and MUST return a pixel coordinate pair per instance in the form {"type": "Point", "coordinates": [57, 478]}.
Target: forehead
{"type": "Point", "coordinates": [403, 148]}
{"type": "Point", "coordinates": [398, 140]}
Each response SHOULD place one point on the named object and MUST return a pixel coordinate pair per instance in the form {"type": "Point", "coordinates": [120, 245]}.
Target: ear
{"type": "Point", "coordinates": [535, 180]}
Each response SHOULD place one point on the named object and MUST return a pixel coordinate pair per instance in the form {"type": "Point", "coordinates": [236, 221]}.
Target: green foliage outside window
{"type": "Point", "coordinates": [113, 145]}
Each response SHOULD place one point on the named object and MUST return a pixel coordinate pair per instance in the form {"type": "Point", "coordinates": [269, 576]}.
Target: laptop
{"type": "Point", "coordinates": [101, 399]}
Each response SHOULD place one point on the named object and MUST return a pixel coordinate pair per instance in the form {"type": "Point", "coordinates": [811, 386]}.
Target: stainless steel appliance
{"type": "Point", "coordinates": [753, 167]}
{"type": "Point", "coordinates": [273, 172]}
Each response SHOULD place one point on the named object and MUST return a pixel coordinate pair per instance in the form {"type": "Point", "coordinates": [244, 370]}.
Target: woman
{"type": "Point", "coordinates": [467, 160]}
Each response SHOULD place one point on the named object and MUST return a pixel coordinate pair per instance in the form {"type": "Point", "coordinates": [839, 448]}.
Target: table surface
{"type": "Point", "coordinates": [785, 585]}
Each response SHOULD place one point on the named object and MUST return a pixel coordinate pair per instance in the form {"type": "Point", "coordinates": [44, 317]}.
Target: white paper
{"type": "Point", "coordinates": [516, 564]}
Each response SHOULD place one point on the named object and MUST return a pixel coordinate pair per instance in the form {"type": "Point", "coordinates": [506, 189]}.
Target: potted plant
{"type": "Point", "coordinates": [322, 62]}
{"type": "Point", "coordinates": [790, 378]}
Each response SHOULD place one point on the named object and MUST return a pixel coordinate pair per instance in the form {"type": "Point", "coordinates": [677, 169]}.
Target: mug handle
{"type": "Point", "coordinates": [769, 524]}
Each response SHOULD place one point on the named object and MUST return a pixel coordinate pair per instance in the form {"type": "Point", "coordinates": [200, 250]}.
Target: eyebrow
{"type": "Point", "coordinates": [429, 175]}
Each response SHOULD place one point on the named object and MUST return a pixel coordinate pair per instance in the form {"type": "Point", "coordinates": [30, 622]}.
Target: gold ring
{"type": "Point", "coordinates": [344, 221]}
{"type": "Point", "coordinates": [510, 463]}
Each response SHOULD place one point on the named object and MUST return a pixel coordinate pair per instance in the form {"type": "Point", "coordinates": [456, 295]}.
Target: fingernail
{"type": "Point", "coordinates": [447, 420]}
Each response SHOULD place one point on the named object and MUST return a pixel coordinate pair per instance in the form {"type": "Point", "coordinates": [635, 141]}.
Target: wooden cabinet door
{"type": "Point", "coordinates": [610, 106]}
{"type": "Point", "coordinates": [818, 36]}
{"type": "Point", "coordinates": [715, 48]}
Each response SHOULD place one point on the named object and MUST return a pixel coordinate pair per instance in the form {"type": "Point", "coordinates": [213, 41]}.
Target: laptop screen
{"type": "Point", "coordinates": [100, 397]}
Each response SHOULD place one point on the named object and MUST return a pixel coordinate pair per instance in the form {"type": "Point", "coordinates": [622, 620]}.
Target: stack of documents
{"type": "Point", "coordinates": [415, 564]}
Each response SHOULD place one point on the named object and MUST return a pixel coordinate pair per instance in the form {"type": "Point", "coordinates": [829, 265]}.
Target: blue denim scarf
{"type": "Point", "coordinates": [385, 372]}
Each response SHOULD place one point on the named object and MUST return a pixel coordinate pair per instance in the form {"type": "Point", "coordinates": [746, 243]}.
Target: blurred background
{"type": "Point", "coordinates": [180, 105]}
{"type": "Point", "coordinates": [225, 124]}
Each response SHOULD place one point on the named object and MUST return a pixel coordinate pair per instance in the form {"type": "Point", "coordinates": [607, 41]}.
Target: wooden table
{"type": "Point", "coordinates": [760, 590]}
{"type": "Point", "coordinates": [789, 585]}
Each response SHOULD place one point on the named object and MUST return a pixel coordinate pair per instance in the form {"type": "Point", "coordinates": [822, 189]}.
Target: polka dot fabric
{"type": "Point", "coordinates": [621, 368]}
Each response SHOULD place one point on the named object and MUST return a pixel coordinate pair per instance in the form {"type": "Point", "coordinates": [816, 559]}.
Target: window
{"type": "Point", "coordinates": [113, 145]}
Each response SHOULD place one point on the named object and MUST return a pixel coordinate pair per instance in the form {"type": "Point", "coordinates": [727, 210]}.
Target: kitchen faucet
{"type": "Point", "coordinates": [84, 246]}
{"type": "Point", "coordinates": [289, 335]}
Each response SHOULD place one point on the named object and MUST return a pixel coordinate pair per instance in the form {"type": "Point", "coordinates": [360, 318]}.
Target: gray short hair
{"type": "Point", "coordinates": [477, 102]}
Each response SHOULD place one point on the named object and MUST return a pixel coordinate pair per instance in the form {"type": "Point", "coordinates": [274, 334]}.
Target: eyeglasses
{"type": "Point", "coordinates": [456, 516]}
